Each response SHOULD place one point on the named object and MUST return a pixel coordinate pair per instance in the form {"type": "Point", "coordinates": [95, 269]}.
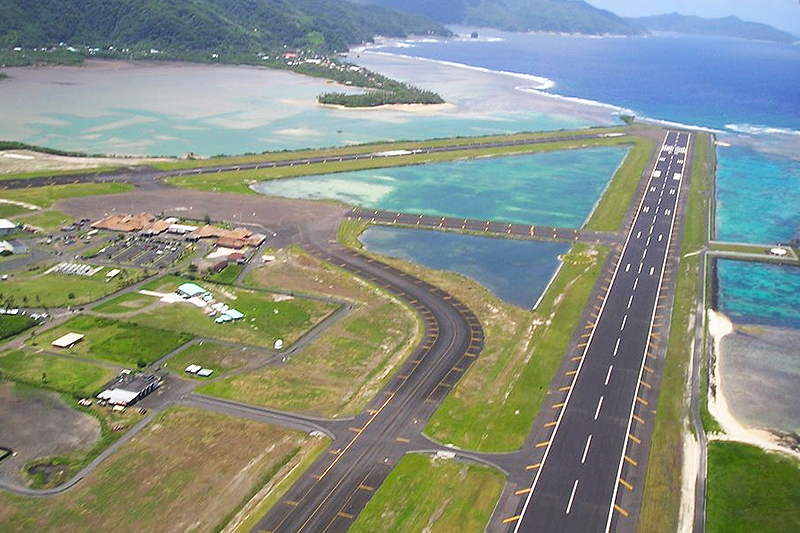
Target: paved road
{"type": "Point", "coordinates": [578, 480]}
{"type": "Point", "coordinates": [489, 227]}
{"type": "Point", "coordinates": [335, 489]}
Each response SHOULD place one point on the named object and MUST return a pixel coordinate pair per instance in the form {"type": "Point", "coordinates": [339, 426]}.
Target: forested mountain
{"type": "Point", "coordinates": [567, 16]}
{"type": "Point", "coordinates": [179, 26]}
{"type": "Point", "coordinates": [725, 27]}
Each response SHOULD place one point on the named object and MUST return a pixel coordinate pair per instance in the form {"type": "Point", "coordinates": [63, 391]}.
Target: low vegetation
{"type": "Point", "coordinates": [432, 495]}
{"type": "Point", "coordinates": [217, 357]}
{"type": "Point", "coordinates": [46, 221]}
{"type": "Point", "coordinates": [181, 470]}
{"type": "Point", "coordinates": [338, 373]}
{"type": "Point", "coordinates": [11, 325]}
{"type": "Point", "coordinates": [662, 492]}
{"type": "Point", "coordinates": [79, 379]}
{"type": "Point", "coordinates": [125, 343]}
{"type": "Point", "coordinates": [751, 490]}
{"type": "Point", "coordinates": [47, 196]}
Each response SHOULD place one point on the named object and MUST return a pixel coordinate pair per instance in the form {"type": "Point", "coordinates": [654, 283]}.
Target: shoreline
{"type": "Point", "coordinates": [718, 327]}
{"type": "Point", "coordinates": [418, 109]}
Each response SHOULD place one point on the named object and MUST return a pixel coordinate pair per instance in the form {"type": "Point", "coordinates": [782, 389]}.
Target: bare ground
{"type": "Point", "coordinates": [38, 424]}
{"type": "Point", "coordinates": [23, 161]}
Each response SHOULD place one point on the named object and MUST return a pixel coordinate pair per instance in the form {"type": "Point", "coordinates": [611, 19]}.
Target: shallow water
{"type": "Point", "coordinates": [554, 189]}
{"type": "Point", "coordinates": [760, 370]}
{"type": "Point", "coordinates": [515, 271]}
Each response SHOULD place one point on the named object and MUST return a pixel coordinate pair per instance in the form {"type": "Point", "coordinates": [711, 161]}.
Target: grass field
{"type": "Point", "coordinates": [11, 325]}
{"type": "Point", "coordinates": [239, 182]}
{"type": "Point", "coordinates": [221, 359]}
{"type": "Point", "coordinates": [12, 210]}
{"type": "Point", "coordinates": [267, 317]}
{"type": "Point", "coordinates": [608, 216]}
{"type": "Point", "coordinates": [46, 220]}
{"type": "Point", "coordinates": [227, 276]}
{"type": "Point", "coordinates": [36, 289]}
{"type": "Point", "coordinates": [750, 490]}
{"type": "Point", "coordinates": [338, 373]}
{"type": "Point", "coordinates": [662, 492]}
{"type": "Point", "coordinates": [181, 473]}
{"type": "Point", "coordinates": [47, 196]}
{"type": "Point", "coordinates": [125, 303]}
{"type": "Point", "coordinates": [434, 496]}
{"type": "Point", "coordinates": [126, 343]}
{"type": "Point", "coordinates": [493, 406]}
{"type": "Point", "coordinates": [79, 379]}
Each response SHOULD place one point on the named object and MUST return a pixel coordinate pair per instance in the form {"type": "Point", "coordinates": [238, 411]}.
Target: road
{"type": "Point", "coordinates": [334, 490]}
{"type": "Point", "coordinates": [578, 481]}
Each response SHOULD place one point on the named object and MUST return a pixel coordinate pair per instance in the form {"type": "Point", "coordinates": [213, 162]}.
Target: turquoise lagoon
{"type": "Point", "coordinates": [515, 271]}
{"type": "Point", "coordinates": [552, 188]}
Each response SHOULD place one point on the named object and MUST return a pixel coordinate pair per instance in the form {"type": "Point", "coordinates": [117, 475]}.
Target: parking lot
{"type": "Point", "coordinates": [144, 252]}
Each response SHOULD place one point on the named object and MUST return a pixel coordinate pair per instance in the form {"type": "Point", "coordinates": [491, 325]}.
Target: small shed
{"type": "Point", "coordinates": [67, 341]}
{"type": "Point", "coordinates": [190, 290]}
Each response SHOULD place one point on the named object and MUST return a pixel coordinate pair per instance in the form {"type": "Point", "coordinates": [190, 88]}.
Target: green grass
{"type": "Point", "coordinates": [125, 303]}
{"type": "Point", "coordinates": [494, 405]}
{"type": "Point", "coordinates": [47, 220]}
{"type": "Point", "coordinates": [227, 276]}
{"type": "Point", "coordinates": [79, 379]}
{"type": "Point", "coordinates": [10, 325]}
{"type": "Point", "coordinates": [219, 358]}
{"type": "Point", "coordinates": [751, 491]}
{"type": "Point", "coordinates": [11, 210]}
{"type": "Point", "coordinates": [608, 215]}
{"type": "Point", "coordinates": [662, 492]}
{"type": "Point", "coordinates": [239, 181]}
{"type": "Point", "coordinates": [36, 289]}
{"type": "Point", "coordinates": [435, 496]}
{"type": "Point", "coordinates": [125, 343]}
{"type": "Point", "coordinates": [47, 196]}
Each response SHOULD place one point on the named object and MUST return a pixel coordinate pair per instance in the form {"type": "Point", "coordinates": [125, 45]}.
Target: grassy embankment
{"type": "Point", "coordinates": [125, 343]}
{"type": "Point", "coordinates": [751, 490]}
{"type": "Point", "coordinates": [240, 181]}
{"type": "Point", "coordinates": [662, 492]}
{"type": "Point", "coordinates": [198, 478]}
{"type": "Point", "coordinates": [432, 495]}
{"type": "Point", "coordinates": [492, 407]}
{"type": "Point", "coordinates": [338, 373]}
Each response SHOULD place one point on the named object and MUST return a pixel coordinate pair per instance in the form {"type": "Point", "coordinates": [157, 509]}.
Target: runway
{"type": "Point", "coordinates": [582, 475]}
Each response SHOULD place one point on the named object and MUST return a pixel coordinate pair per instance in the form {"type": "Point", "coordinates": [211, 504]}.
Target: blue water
{"type": "Point", "coordinates": [759, 293]}
{"type": "Point", "coordinates": [552, 188]}
{"type": "Point", "coordinates": [757, 197]}
{"type": "Point", "coordinates": [515, 271]}
{"type": "Point", "coordinates": [707, 81]}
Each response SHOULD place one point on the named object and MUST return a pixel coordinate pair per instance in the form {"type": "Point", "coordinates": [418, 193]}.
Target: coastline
{"type": "Point", "coordinates": [417, 109]}
{"type": "Point", "coordinates": [719, 326]}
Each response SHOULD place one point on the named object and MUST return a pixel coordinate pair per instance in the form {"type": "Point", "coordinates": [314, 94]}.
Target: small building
{"type": "Point", "coordinates": [6, 248]}
{"type": "Point", "coordinates": [236, 257]}
{"type": "Point", "coordinates": [190, 290]}
{"type": "Point", "coordinates": [234, 314]}
{"type": "Point", "coordinates": [129, 388]}
{"type": "Point", "coordinates": [205, 372]}
{"type": "Point", "coordinates": [6, 226]}
{"type": "Point", "coordinates": [193, 369]}
{"type": "Point", "coordinates": [181, 229]}
{"type": "Point", "coordinates": [219, 267]}
{"type": "Point", "coordinates": [67, 341]}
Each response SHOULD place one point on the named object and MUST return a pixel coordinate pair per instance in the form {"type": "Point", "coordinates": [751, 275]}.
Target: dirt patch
{"type": "Point", "coordinates": [39, 424]}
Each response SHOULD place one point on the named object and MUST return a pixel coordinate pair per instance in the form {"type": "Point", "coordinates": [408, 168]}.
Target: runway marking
{"type": "Point", "coordinates": [608, 376]}
{"type": "Point", "coordinates": [571, 373]}
{"type": "Point", "coordinates": [616, 346]}
{"type": "Point", "coordinates": [403, 440]}
{"type": "Point", "coordinates": [630, 301]}
{"type": "Point", "coordinates": [520, 492]}
{"type": "Point", "coordinates": [645, 384]}
{"type": "Point", "coordinates": [366, 488]}
{"type": "Point", "coordinates": [542, 444]}
{"type": "Point", "coordinates": [621, 511]}
{"type": "Point", "coordinates": [638, 419]}
{"type": "Point", "coordinates": [625, 484]}
{"type": "Point", "coordinates": [533, 467]}
{"type": "Point", "coordinates": [512, 519]}
{"type": "Point", "coordinates": [586, 448]}
{"type": "Point", "coordinates": [355, 430]}
{"type": "Point", "coordinates": [558, 405]}
{"type": "Point", "coordinates": [577, 358]}
{"type": "Point", "coordinates": [571, 497]}
{"type": "Point", "coordinates": [291, 502]}
{"type": "Point", "coordinates": [634, 438]}
{"type": "Point", "coordinates": [631, 461]}
{"type": "Point", "coordinates": [648, 369]}
{"type": "Point", "coordinates": [599, 405]}
{"type": "Point", "coordinates": [564, 389]}
{"type": "Point", "coordinates": [551, 424]}
{"type": "Point", "coordinates": [342, 514]}
{"type": "Point", "coordinates": [624, 321]}
{"type": "Point", "coordinates": [635, 283]}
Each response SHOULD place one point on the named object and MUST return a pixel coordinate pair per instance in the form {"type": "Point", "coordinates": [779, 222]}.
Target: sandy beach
{"type": "Point", "coordinates": [719, 326]}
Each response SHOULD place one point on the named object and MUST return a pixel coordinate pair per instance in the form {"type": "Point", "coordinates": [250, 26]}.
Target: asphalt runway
{"type": "Point", "coordinates": [579, 479]}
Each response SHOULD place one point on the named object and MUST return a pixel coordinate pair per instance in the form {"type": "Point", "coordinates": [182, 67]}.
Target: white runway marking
{"type": "Point", "coordinates": [599, 405]}
{"type": "Point", "coordinates": [572, 497]}
{"type": "Point", "coordinates": [586, 449]}
{"type": "Point", "coordinates": [608, 376]}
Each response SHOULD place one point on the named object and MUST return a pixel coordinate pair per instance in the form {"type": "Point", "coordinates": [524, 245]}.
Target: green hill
{"type": "Point", "coordinates": [723, 27]}
{"type": "Point", "coordinates": [181, 27]}
{"type": "Point", "coordinates": [564, 16]}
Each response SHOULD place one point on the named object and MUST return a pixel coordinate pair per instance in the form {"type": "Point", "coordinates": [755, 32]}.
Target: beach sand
{"type": "Point", "coordinates": [719, 326]}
